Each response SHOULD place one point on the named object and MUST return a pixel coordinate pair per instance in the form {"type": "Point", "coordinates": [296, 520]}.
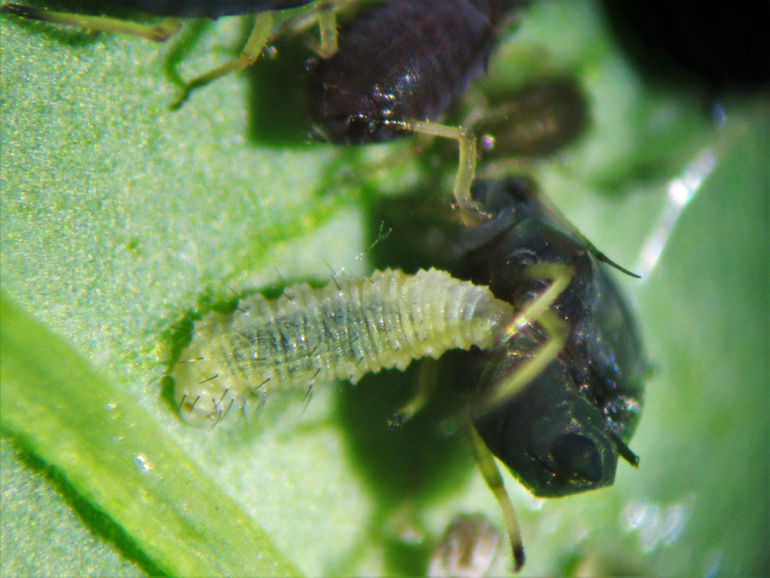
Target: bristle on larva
{"type": "Point", "coordinates": [346, 329]}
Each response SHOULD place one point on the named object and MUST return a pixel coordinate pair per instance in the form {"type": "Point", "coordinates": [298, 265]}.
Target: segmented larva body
{"type": "Point", "coordinates": [346, 329]}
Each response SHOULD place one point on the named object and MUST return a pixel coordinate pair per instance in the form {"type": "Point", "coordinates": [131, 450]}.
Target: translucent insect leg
{"type": "Point", "coordinates": [471, 212]}
{"type": "Point", "coordinates": [491, 473]}
{"type": "Point", "coordinates": [157, 33]}
{"type": "Point", "coordinates": [537, 311]}
{"type": "Point", "coordinates": [260, 34]}
{"type": "Point", "coordinates": [257, 40]}
{"type": "Point", "coordinates": [327, 32]}
{"type": "Point", "coordinates": [426, 385]}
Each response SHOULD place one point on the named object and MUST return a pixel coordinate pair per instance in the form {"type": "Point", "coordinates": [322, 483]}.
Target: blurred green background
{"type": "Point", "coordinates": [118, 217]}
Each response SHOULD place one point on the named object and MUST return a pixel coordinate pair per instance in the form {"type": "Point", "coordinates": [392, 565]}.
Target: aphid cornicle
{"type": "Point", "coordinates": [173, 10]}
{"type": "Point", "coordinates": [343, 331]}
{"type": "Point", "coordinates": [399, 67]}
{"type": "Point", "coordinates": [562, 433]}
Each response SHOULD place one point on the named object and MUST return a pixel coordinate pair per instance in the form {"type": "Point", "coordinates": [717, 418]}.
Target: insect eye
{"type": "Point", "coordinates": [578, 454]}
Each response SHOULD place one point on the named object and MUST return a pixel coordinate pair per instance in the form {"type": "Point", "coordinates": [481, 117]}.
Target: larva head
{"type": "Point", "coordinates": [202, 402]}
{"type": "Point", "coordinates": [554, 440]}
{"type": "Point", "coordinates": [205, 404]}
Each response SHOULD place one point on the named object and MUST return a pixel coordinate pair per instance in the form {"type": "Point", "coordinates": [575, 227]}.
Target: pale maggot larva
{"type": "Point", "coordinates": [342, 331]}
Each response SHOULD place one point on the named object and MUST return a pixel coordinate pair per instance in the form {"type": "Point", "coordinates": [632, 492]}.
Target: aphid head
{"type": "Point", "coordinates": [554, 440]}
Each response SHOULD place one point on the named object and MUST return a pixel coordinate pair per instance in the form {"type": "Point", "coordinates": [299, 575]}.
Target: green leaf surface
{"type": "Point", "coordinates": [117, 458]}
{"type": "Point", "coordinates": [118, 217]}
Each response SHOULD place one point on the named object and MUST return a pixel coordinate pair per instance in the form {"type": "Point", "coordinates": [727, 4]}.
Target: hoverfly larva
{"type": "Point", "coordinates": [342, 331]}
{"type": "Point", "coordinates": [174, 10]}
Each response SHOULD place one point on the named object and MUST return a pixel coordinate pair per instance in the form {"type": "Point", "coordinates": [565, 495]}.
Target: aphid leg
{"type": "Point", "coordinates": [257, 40]}
{"type": "Point", "coordinates": [260, 34]}
{"type": "Point", "coordinates": [491, 473]}
{"type": "Point", "coordinates": [537, 311]}
{"type": "Point", "coordinates": [471, 212]}
{"type": "Point", "coordinates": [327, 45]}
{"type": "Point", "coordinates": [157, 33]}
{"type": "Point", "coordinates": [427, 379]}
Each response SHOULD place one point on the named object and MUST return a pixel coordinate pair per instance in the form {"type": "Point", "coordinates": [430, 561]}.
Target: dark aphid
{"type": "Point", "coordinates": [404, 60]}
{"type": "Point", "coordinates": [173, 10]}
{"type": "Point", "coordinates": [400, 66]}
{"type": "Point", "coordinates": [536, 120]}
{"type": "Point", "coordinates": [559, 400]}
{"type": "Point", "coordinates": [561, 434]}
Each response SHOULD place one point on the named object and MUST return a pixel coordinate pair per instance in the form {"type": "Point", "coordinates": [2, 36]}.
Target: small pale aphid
{"type": "Point", "coordinates": [343, 331]}
{"type": "Point", "coordinates": [467, 549]}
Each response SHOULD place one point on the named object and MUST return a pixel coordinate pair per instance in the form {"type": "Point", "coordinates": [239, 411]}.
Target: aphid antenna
{"type": "Point", "coordinates": [537, 311]}
{"type": "Point", "coordinates": [560, 276]}
{"type": "Point", "coordinates": [491, 473]}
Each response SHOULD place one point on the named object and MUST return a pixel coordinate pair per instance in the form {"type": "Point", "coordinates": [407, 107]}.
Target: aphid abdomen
{"type": "Point", "coordinates": [406, 60]}
{"type": "Point", "coordinates": [342, 331]}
